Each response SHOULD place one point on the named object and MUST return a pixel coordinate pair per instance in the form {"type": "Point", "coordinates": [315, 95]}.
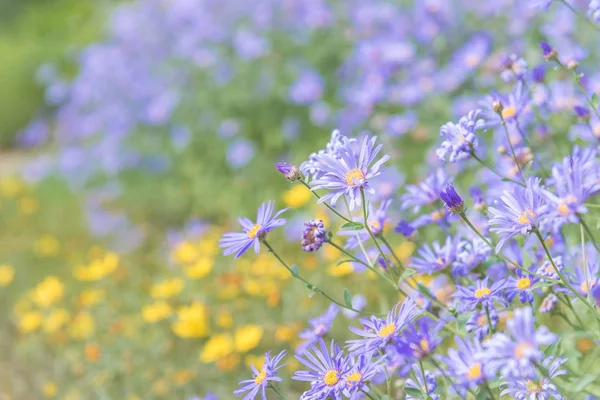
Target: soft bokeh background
{"type": "Point", "coordinates": [133, 134]}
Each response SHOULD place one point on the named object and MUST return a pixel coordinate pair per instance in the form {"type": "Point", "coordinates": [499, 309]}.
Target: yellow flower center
{"type": "Point", "coordinates": [585, 287]}
{"type": "Point", "coordinates": [524, 283]}
{"type": "Point", "coordinates": [331, 377]}
{"type": "Point", "coordinates": [563, 209]}
{"type": "Point", "coordinates": [474, 372]}
{"type": "Point", "coordinates": [524, 217]}
{"type": "Point", "coordinates": [521, 350]}
{"type": "Point", "coordinates": [354, 175]}
{"type": "Point", "coordinates": [532, 387]}
{"type": "Point", "coordinates": [437, 215]}
{"type": "Point", "coordinates": [509, 112]}
{"type": "Point", "coordinates": [424, 345]}
{"type": "Point", "coordinates": [261, 377]}
{"type": "Point", "coordinates": [254, 231]}
{"type": "Point", "coordinates": [387, 330]}
{"type": "Point", "coordinates": [375, 225]}
{"type": "Point", "coordinates": [353, 378]}
{"type": "Point", "coordinates": [479, 293]}
{"type": "Point", "coordinates": [472, 60]}
{"type": "Point", "coordinates": [482, 320]}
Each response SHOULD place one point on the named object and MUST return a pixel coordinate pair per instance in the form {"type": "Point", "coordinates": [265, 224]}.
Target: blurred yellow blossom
{"type": "Point", "coordinates": [48, 292]}
{"type": "Point", "coordinates": [225, 319]}
{"type": "Point", "coordinates": [160, 387]}
{"type": "Point", "coordinates": [82, 326]}
{"type": "Point", "coordinates": [217, 347]}
{"type": "Point", "coordinates": [49, 389]}
{"type": "Point", "coordinates": [98, 269]}
{"type": "Point", "coordinates": [185, 253]}
{"type": "Point", "coordinates": [192, 321]}
{"type": "Point", "coordinates": [73, 394]}
{"type": "Point", "coordinates": [10, 186]}
{"type": "Point", "coordinates": [28, 205]}
{"type": "Point", "coordinates": [90, 297]}
{"type": "Point", "coordinates": [405, 250]}
{"type": "Point", "coordinates": [254, 360]}
{"type": "Point", "coordinates": [296, 196]}
{"type": "Point", "coordinates": [200, 268]}
{"type": "Point", "coordinates": [344, 269]}
{"type": "Point", "coordinates": [285, 333]}
{"type": "Point", "coordinates": [182, 377]}
{"type": "Point", "coordinates": [55, 320]}
{"type": "Point", "coordinates": [229, 363]}
{"type": "Point", "coordinates": [7, 273]}
{"type": "Point", "coordinates": [156, 311]}
{"type": "Point", "coordinates": [209, 246]}
{"type": "Point", "coordinates": [47, 246]}
{"type": "Point", "coordinates": [247, 337]}
{"type": "Point", "coordinates": [30, 321]}
{"type": "Point", "coordinates": [167, 288]}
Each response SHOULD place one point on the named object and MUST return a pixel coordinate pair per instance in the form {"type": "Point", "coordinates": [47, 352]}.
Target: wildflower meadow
{"type": "Point", "coordinates": [300, 199]}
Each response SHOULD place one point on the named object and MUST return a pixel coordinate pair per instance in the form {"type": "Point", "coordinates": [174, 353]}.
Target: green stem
{"type": "Point", "coordinates": [512, 149]}
{"type": "Point", "coordinates": [364, 207]}
{"type": "Point", "coordinates": [387, 244]}
{"type": "Point", "coordinates": [568, 321]}
{"type": "Point", "coordinates": [494, 171]}
{"type": "Point", "coordinates": [576, 78]}
{"type": "Point", "coordinates": [489, 390]}
{"type": "Point", "coordinates": [424, 379]}
{"type": "Point", "coordinates": [311, 286]}
{"type": "Point", "coordinates": [560, 275]}
{"type": "Point", "coordinates": [388, 380]}
{"type": "Point", "coordinates": [281, 395]}
{"type": "Point", "coordinates": [489, 320]}
{"type": "Point", "coordinates": [445, 326]}
{"type": "Point", "coordinates": [325, 203]}
{"type": "Point", "coordinates": [368, 395]}
{"type": "Point", "coordinates": [588, 231]}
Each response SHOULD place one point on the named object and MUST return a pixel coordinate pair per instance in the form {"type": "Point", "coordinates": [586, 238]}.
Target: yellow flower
{"type": "Point", "coordinates": [192, 321]}
{"type": "Point", "coordinates": [253, 360]}
{"type": "Point", "coordinates": [229, 363]}
{"type": "Point", "coordinates": [7, 273]}
{"type": "Point", "coordinates": [156, 311]}
{"type": "Point", "coordinates": [48, 292]}
{"type": "Point", "coordinates": [296, 196]}
{"type": "Point", "coordinates": [209, 246]}
{"type": "Point", "coordinates": [30, 321]}
{"type": "Point", "coordinates": [97, 269]}
{"type": "Point", "coordinates": [82, 326]}
{"type": "Point", "coordinates": [10, 187]}
{"type": "Point", "coordinates": [55, 320]}
{"type": "Point", "coordinates": [47, 246]}
{"type": "Point", "coordinates": [28, 205]}
{"type": "Point", "coordinates": [49, 389]}
{"type": "Point", "coordinates": [216, 348]}
{"type": "Point", "coordinates": [182, 377]}
{"type": "Point", "coordinates": [405, 250]}
{"type": "Point", "coordinates": [200, 268]}
{"type": "Point", "coordinates": [225, 319]}
{"type": "Point", "coordinates": [91, 297]}
{"type": "Point", "coordinates": [344, 269]}
{"type": "Point", "coordinates": [185, 253]}
{"type": "Point", "coordinates": [167, 289]}
{"type": "Point", "coordinates": [247, 337]}
{"type": "Point", "coordinates": [284, 333]}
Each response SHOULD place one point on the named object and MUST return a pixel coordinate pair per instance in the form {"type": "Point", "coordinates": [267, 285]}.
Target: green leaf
{"type": "Point", "coordinates": [542, 284]}
{"type": "Point", "coordinates": [343, 262]}
{"type": "Point", "coordinates": [595, 100]}
{"type": "Point", "coordinates": [313, 290]}
{"type": "Point", "coordinates": [407, 273]}
{"type": "Point", "coordinates": [347, 298]}
{"type": "Point", "coordinates": [481, 395]}
{"type": "Point", "coordinates": [583, 382]}
{"type": "Point", "coordinates": [413, 392]}
{"type": "Point", "coordinates": [385, 397]}
{"type": "Point", "coordinates": [353, 226]}
{"type": "Point", "coordinates": [294, 271]}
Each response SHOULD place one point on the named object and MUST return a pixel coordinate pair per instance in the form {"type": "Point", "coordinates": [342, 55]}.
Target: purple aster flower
{"type": "Point", "coordinates": [452, 200]}
{"type": "Point", "coordinates": [513, 106]}
{"type": "Point", "coordinates": [291, 172]}
{"type": "Point", "coordinates": [540, 5]}
{"type": "Point", "coordinates": [582, 112]}
{"type": "Point", "coordinates": [478, 323]}
{"type": "Point", "coordinates": [349, 174]}
{"type": "Point", "coordinates": [471, 254]}
{"type": "Point", "coordinates": [319, 327]}
{"type": "Point", "coordinates": [480, 294]}
{"type": "Point", "coordinates": [378, 332]}
{"type": "Point", "coordinates": [513, 353]}
{"type": "Point", "coordinates": [326, 374]}
{"type": "Point", "coordinates": [586, 279]}
{"type": "Point", "coordinates": [261, 379]}
{"type": "Point", "coordinates": [237, 243]}
{"type": "Point", "coordinates": [548, 52]}
{"type": "Point", "coordinates": [362, 370]}
{"type": "Point", "coordinates": [540, 389]}
{"type": "Point", "coordinates": [518, 212]}
{"type": "Point", "coordinates": [466, 365]}
{"type": "Point", "coordinates": [570, 192]}
{"type": "Point", "coordinates": [521, 285]}
{"type": "Point", "coordinates": [426, 192]}
{"type": "Point", "coordinates": [593, 12]}
{"type": "Point", "coordinates": [314, 235]}
{"type": "Point", "coordinates": [240, 153]}
{"type": "Point", "coordinates": [425, 383]}
{"type": "Point", "coordinates": [460, 139]}
{"type": "Point", "coordinates": [312, 167]}
{"type": "Point", "coordinates": [436, 258]}
{"type": "Point", "coordinates": [547, 269]}
{"type": "Point", "coordinates": [405, 228]}
{"type": "Point", "coordinates": [376, 220]}
{"type": "Point", "coordinates": [548, 303]}
{"type": "Point", "coordinates": [515, 68]}
{"type": "Point", "coordinates": [307, 89]}
{"type": "Point", "coordinates": [420, 339]}
{"type": "Point", "coordinates": [479, 202]}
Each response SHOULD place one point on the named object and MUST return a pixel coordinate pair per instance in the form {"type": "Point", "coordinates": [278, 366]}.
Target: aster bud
{"type": "Point", "coordinates": [501, 150]}
{"type": "Point", "coordinates": [291, 172]}
{"type": "Point", "coordinates": [314, 235]}
{"type": "Point", "coordinates": [572, 65]}
{"type": "Point", "coordinates": [497, 106]}
{"type": "Point", "coordinates": [548, 52]}
{"type": "Point", "coordinates": [453, 201]}
{"type": "Point", "coordinates": [582, 112]}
